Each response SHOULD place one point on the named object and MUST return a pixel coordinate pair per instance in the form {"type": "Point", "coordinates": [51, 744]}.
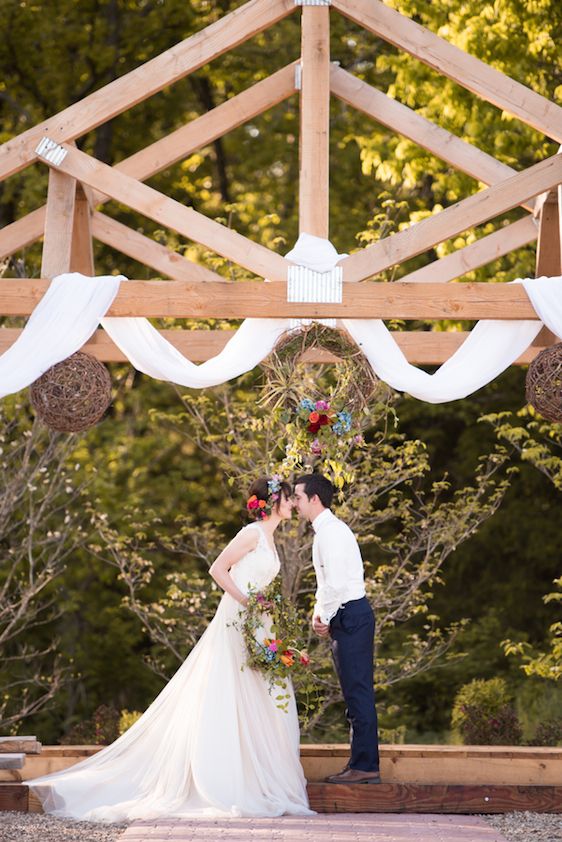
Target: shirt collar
{"type": "Point", "coordinates": [321, 518]}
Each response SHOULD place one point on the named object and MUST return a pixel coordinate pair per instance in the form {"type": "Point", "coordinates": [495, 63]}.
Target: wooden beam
{"type": "Point", "coordinates": [172, 214]}
{"type": "Point", "coordinates": [441, 143]}
{"type": "Point", "coordinates": [207, 128]}
{"type": "Point", "coordinates": [150, 78]}
{"type": "Point", "coordinates": [82, 253]}
{"type": "Point", "coordinates": [171, 148]}
{"type": "Point", "coordinates": [549, 250]}
{"type": "Point", "coordinates": [147, 251]}
{"type": "Point", "coordinates": [419, 347]}
{"type": "Point", "coordinates": [461, 67]}
{"type": "Point", "coordinates": [23, 232]}
{"type": "Point", "coordinates": [478, 208]}
{"type": "Point", "coordinates": [57, 246]}
{"type": "Point", "coordinates": [18, 297]}
{"type": "Point", "coordinates": [434, 798]}
{"type": "Point", "coordinates": [315, 122]}
{"type": "Point", "coordinates": [479, 253]}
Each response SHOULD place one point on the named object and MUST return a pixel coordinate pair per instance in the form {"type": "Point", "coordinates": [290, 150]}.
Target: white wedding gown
{"type": "Point", "coordinates": [213, 743]}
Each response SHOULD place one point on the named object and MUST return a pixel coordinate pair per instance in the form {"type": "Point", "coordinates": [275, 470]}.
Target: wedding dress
{"type": "Point", "coordinates": [213, 743]}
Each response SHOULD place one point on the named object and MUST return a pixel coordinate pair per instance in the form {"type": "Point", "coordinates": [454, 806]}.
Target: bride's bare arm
{"type": "Point", "coordinates": [240, 545]}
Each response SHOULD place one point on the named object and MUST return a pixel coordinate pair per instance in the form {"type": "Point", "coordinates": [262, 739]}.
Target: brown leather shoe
{"type": "Point", "coordinates": [354, 776]}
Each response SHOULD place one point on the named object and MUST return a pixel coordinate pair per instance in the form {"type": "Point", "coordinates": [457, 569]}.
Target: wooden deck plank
{"type": "Point", "coordinates": [433, 798]}
{"type": "Point", "coordinates": [26, 745]}
{"type": "Point", "coordinates": [14, 797]}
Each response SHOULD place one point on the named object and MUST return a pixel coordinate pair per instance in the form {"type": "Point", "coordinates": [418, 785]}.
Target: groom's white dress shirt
{"type": "Point", "coordinates": [338, 565]}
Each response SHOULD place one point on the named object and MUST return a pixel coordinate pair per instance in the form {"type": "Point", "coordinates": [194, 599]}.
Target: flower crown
{"type": "Point", "coordinates": [265, 507]}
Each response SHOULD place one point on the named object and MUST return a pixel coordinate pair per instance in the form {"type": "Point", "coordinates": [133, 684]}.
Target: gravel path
{"type": "Point", "coordinates": [35, 827]}
{"type": "Point", "coordinates": [528, 827]}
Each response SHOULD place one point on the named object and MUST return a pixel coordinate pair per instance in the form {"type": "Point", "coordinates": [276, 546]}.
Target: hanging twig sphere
{"type": "Point", "coordinates": [73, 394]}
{"type": "Point", "coordinates": [543, 386]}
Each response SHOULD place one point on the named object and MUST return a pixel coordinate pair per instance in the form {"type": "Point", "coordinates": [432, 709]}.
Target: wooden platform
{"type": "Point", "coordinates": [417, 778]}
{"type": "Point", "coordinates": [433, 798]}
{"type": "Point", "coordinates": [384, 798]}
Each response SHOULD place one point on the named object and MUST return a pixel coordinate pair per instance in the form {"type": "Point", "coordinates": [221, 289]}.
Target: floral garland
{"type": "Point", "coordinates": [277, 657]}
{"type": "Point", "coordinates": [266, 506]}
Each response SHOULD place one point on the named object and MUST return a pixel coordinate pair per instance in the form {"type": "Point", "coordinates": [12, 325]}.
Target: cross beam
{"type": "Point", "coordinates": [248, 299]}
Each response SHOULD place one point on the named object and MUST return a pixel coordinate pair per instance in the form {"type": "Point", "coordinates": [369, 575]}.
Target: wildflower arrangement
{"type": "Point", "coordinates": [277, 655]}
{"type": "Point", "coordinates": [261, 509]}
{"type": "Point", "coordinates": [322, 422]}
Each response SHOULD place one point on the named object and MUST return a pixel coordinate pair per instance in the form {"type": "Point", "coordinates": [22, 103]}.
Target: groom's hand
{"type": "Point", "coordinates": [319, 627]}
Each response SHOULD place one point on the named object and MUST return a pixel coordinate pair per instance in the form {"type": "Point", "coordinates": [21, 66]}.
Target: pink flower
{"type": "Point", "coordinates": [322, 406]}
{"type": "Point", "coordinates": [316, 448]}
{"type": "Point", "coordinates": [272, 647]}
{"type": "Point", "coordinates": [304, 659]}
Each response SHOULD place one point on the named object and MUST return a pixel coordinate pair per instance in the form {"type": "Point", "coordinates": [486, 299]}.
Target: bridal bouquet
{"type": "Point", "coordinates": [271, 629]}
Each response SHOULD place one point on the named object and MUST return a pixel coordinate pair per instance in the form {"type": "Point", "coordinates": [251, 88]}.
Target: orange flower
{"type": "Point", "coordinates": [262, 504]}
{"type": "Point", "coordinates": [287, 659]}
{"type": "Point", "coordinates": [314, 417]}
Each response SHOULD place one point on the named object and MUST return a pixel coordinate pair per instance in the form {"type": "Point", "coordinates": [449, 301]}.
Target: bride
{"type": "Point", "coordinates": [214, 742]}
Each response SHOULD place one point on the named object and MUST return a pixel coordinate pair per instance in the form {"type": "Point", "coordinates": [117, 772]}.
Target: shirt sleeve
{"type": "Point", "coordinates": [335, 545]}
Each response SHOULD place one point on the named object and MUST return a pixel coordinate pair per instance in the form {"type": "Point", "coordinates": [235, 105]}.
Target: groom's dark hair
{"type": "Point", "coordinates": [317, 484]}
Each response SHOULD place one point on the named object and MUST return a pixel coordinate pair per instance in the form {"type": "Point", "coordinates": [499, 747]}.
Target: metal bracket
{"type": "Point", "coordinates": [309, 286]}
{"type": "Point", "coordinates": [298, 76]}
{"type": "Point", "coordinates": [313, 2]}
{"type": "Point", "coordinates": [51, 151]}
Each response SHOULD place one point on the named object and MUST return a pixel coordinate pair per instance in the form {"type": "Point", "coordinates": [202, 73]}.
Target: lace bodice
{"type": "Point", "coordinates": [257, 568]}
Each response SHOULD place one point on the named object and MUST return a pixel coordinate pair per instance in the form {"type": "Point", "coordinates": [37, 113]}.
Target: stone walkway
{"type": "Point", "coordinates": [336, 827]}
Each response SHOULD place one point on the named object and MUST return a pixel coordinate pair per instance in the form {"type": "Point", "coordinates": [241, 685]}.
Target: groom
{"type": "Point", "coordinates": [343, 612]}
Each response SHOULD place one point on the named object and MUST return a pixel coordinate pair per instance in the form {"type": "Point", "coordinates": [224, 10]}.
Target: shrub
{"type": "Point", "coordinates": [101, 729]}
{"type": "Point", "coordinates": [128, 718]}
{"type": "Point", "coordinates": [547, 734]}
{"type": "Point", "coordinates": [484, 715]}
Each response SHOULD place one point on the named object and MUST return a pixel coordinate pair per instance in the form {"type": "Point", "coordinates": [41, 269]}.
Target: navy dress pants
{"type": "Point", "coordinates": [352, 631]}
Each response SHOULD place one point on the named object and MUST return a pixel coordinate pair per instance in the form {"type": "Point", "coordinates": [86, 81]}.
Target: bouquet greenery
{"type": "Point", "coordinates": [276, 655]}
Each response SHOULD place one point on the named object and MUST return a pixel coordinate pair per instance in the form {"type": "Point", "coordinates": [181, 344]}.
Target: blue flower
{"type": "Point", "coordinates": [344, 419]}
{"type": "Point", "coordinates": [307, 404]}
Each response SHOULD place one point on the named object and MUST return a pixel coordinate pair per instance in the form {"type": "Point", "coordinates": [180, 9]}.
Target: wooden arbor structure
{"type": "Point", "coordinates": [79, 185]}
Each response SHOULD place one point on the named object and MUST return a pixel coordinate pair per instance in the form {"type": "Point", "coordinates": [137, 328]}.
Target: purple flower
{"type": "Point", "coordinates": [316, 448]}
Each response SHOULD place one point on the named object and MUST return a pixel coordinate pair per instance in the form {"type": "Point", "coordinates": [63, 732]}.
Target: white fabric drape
{"type": "Point", "coordinates": [150, 353]}
{"type": "Point", "coordinates": [62, 322]}
{"type": "Point", "coordinates": [74, 305]}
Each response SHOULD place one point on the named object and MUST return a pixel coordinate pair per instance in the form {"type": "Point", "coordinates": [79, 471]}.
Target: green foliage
{"type": "Point", "coordinates": [546, 664]}
{"type": "Point", "coordinates": [160, 483]}
{"type": "Point", "coordinates": [128, 718]}
{"type": "Point", "coordinates": [483, 714]}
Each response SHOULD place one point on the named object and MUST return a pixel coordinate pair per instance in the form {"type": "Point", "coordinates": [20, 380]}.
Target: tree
{"type": "Point", "coordinates": [537, 442]}
{"type": "Point", "coordinates": [407, 525]}
{"type": "Point", "coordinates": [41, 525]}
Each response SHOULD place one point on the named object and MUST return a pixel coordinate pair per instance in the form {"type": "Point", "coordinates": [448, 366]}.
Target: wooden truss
{"type": "Point", "coordinates": [79, 185]}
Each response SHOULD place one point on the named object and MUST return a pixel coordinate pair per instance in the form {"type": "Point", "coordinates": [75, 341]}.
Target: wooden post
{"type": "Point", "coordinates": [549, 251]}
{"type": "Point", "coordinates": [57, 245]}
{"type": "Point", "coordinates": [82, 253]}
{"type": "Point", "coordinates": [315, 120]}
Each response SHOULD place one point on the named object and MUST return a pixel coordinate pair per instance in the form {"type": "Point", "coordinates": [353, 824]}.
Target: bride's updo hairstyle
{"type": "Point", "coordinates": [264, 496]}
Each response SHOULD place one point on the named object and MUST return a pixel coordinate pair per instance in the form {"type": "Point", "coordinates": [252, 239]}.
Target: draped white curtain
{"type": "Point", "coordinates": [74, 305]}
